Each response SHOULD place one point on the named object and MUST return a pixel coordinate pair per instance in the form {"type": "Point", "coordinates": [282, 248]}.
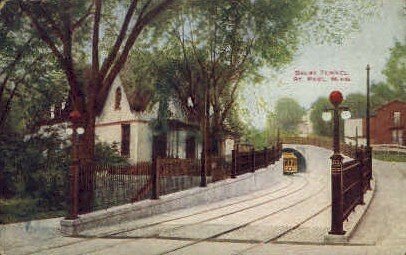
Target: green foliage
{"type": "Point", "coordinates": [357, 103]}
{"type": "Point", "coordinates": [34, 173]}
{"type": "Point", "coordinates": [106, 154]}
{"type": "Point", "coordinates": [258, 138]}
{"type": "Point", "coordinates": [24, 209]}
{"type": "Point", "coordinates": [321, 127]}
{"type": "Point", "coordinates": [36, 168]}
{"type": "Point", "coordinates": [395, 72]}
{"type": "Point", "coordinates": [392, 156]}
{"type": "Point", "coordinates": [139, 78]}
{"type": "Point", "coordinates": [271, 126]}
{"type": "Point", "coordinates": [30, 77]}
{"type": "Point", "coordinates": [288, 114]}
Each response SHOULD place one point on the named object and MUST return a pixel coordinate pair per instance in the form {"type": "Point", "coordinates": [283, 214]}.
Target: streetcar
{"type": "Point", "coordinates": [289, 163]}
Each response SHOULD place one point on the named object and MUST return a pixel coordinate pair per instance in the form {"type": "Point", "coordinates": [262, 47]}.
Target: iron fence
{"type": "Point", "coordinates": [250, 161]}
{"type": "Point", "coordinates": [175, 174]}
{"type": "Point", "coordinates": [352, 191]}
{"type": "Point", "coordinates": [104, 186]}
{"type": "Point", "coordinates": [356, 173]}
{"type": "Point", "coordinates": [220, 168]}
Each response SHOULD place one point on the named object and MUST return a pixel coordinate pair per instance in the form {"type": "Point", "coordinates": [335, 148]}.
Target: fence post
{"type": "Point", "coordinates": [368, 155]}
{"type": "Point", "coordinates": [266, 156]}
{"type": "Point", "coordinates": [360, 158]}
{"type": "Point", "coordinates": [233, 164]}
{"type": "Point", "coordinates": [253, 160]}
{"type": "Point", "coordinates": [155, 177]}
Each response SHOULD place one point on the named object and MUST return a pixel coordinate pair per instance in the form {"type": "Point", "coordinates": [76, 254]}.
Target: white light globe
{"type": "Point", "coordinates": [345, 115]}
{"type": "Point", "coordinates": [80, 130]}
{"type": "Point", "coordinates": [189, 102]}
{"type": "Point", "coordinates": [326, 116]}
{"type": "Point", "coordinates": [69, 131]}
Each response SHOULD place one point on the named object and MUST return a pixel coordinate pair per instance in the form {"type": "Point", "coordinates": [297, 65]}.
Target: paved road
{"type": "Point", "coordinates": [290, 217]}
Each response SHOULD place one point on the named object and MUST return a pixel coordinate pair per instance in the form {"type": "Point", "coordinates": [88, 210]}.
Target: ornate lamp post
{"type": "Point", "coordinates": [336, 99]}
{"type": "Point", "coordinates": [368, 130]}
{"type": "Point", "coordinates": [74, 117]}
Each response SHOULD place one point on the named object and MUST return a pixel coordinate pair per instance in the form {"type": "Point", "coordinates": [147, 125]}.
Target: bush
{"type": "Point", "coordinates": [34, 174]}
{"type": "Point", "coordinates": [108, 154]}
{"type": "Point", "coordinates": [12, 210]}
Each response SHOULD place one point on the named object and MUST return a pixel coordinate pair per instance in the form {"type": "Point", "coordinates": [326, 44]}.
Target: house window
{"type": "Point", "coordinates": [117, 101]}
{"type": "Point", "coordinates": [125, 140]}
{"type": "Point", "coordinates": [190, 147]}
{"type": "Point", "coordinates": [396, 119]}
{"type": "Point", "coordinates": [397, 136]}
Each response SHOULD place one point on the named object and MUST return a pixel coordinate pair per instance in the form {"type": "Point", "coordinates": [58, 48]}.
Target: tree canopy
{"type": "Point", "coordinates": [356, 102]}
{"type": "Point", "coordinates": [288, 114]}
{"type": "Point", "coordinates": [395, 71]}
{"type": "Point", "coordinates": [203, 44]}
{"type": "Point", "coordinates": [320, 127]}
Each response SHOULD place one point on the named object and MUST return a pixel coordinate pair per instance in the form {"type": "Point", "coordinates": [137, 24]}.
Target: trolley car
{"type": "Point", "coordinates": [289, 163]}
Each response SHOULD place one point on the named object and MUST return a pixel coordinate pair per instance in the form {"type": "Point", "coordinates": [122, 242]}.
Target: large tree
{"type": "Point", "coordinates": [213, 46]}
{"type": "Point", "coordinates": [25, 66]}
{"type": "Point", "coordinates": [70, 27]}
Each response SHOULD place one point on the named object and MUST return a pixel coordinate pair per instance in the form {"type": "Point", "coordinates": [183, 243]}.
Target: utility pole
{"type": "Point", "coordinates": [368, 117]}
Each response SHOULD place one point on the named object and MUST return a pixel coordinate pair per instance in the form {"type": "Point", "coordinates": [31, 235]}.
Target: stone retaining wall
{"type": "Point", "coordinates": [217, 191]}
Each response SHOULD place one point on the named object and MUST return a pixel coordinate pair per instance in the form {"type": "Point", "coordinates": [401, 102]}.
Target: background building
{"type": "Point", "coordinates": [388, 125]}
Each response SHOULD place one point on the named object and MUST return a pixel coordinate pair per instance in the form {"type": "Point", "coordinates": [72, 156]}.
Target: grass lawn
{"type": "Point", "coordinates": [389, 156]}
{"type": "Point", "coordinates": [25, 209]}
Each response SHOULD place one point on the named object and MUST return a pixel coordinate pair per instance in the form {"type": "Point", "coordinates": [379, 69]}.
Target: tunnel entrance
{"type": "Point", "coordinates": [301, 161]}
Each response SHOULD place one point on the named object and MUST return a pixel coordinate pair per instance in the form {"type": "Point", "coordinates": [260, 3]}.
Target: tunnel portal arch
{"type": "Point", "coordinates": [301, 161]}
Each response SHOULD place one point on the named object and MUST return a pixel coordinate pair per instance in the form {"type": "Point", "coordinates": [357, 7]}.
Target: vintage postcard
{"type": "Point", "coordinates": [211, 127]}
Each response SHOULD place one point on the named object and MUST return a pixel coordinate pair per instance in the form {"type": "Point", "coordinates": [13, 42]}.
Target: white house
{"type": "Point", "coordinates": [130, 129]}
{"type": "Point", "coordinates": [353, 130]}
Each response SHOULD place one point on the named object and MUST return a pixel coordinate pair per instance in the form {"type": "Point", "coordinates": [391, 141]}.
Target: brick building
{"type": "Point", "coordinates": [388, 124]}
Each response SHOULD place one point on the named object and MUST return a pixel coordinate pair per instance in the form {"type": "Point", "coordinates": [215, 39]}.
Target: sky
{"type": "Point", "coordinates": [369, 45]}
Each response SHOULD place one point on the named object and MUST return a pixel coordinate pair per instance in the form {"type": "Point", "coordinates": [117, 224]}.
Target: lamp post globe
{"type": "Point", "coordinates": [336, 98]}
{"type": "Point", "coordinates": [74, 116]}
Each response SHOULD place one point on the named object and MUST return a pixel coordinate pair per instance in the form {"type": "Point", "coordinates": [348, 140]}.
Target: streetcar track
{"type": "Point", "coordinates": [111, 235]}
{"type": "Point", "coordinates": [114, 235]}
{"type": "Point", "coordinates": [218, 234]}
{"type": "Point", "coordinates": [298, 224]}
{"type": "Point", "coordinates": [107, 235]}
{"type": "Point", "coordinates": [248, 223]}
